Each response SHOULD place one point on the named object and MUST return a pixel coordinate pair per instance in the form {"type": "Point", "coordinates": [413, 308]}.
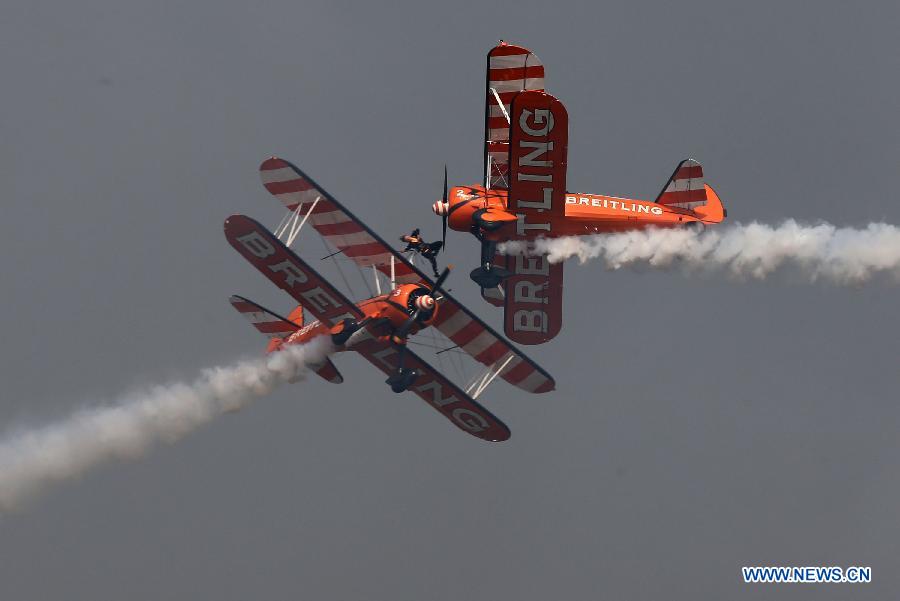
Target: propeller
{"type": "Point", "coordinates": [446, 214]}
{"type": "Point", "coordinates": [402, 332]}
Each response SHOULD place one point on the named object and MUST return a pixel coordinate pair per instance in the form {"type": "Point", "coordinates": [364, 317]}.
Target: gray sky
{"type": "Point", "coordinates": [700, 424]}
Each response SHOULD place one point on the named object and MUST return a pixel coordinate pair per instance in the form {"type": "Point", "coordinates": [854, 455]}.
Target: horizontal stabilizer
{"type": "Point", "coordinates": [266, 322]}
{"type": "Point", "coordinates": [328, 372]}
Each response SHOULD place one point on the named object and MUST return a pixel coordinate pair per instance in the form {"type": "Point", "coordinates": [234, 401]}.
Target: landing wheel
{"type": "Point", "coordinates": [402, 379]}
{"type": "Point", "coordinates": [489, 276]}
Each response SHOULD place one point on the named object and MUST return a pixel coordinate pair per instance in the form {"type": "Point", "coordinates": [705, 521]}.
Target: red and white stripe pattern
{"type": "Point", "coordinates": [479, 341]}
{"type": "Point", "coordinates": [685, 188]}
{"type": "Point", "coordinates": [441, 208]}
{"type": "Point", "coordinates": [424, 302]}
{"type": "Point", "coordinates": [511, 69]}
{"type": "Point", "coordinates": [333, 222]}
{"type": "Point", "coordinates": [266, 323]}
{"type": "Point", "coordinates": [281, 180]}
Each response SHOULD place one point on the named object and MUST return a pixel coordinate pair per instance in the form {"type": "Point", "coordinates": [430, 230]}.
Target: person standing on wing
{"type": "Point", "coordinates": [428, 250]}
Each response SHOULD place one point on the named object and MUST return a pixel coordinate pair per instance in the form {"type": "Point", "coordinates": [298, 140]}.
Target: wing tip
{"type": "Point", "coordinates": [273, 162]}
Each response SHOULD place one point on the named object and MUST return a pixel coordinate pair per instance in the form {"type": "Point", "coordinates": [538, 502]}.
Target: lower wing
{"type": "Point", "coordinates": [533, 302]}
{"type": "Point", "coordinates": [436, 390]}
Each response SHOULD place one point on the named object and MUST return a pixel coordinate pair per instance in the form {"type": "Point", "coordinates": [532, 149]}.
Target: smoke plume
{"type": "Point", "coordinates": [837, 255]}
{"type": "Point", "coordinates": [33, 459]}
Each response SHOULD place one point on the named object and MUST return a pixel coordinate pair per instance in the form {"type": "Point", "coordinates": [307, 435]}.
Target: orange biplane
{"type": "Point", "coordinates": [377, 328]}
{"type": "Point", "coordinates": [524, 197]}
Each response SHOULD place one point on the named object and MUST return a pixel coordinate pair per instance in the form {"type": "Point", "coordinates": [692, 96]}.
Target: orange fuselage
{"type": "Point", "coordinates": [385, 313]}
{"type": "Point", "coordinates": [585, 214]}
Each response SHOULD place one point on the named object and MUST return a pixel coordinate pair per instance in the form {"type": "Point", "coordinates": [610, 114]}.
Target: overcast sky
{"type": "Point", "coordinates": [700, 424]}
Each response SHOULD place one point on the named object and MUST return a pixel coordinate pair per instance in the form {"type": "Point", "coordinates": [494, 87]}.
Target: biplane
{"type": "Point", "coordinates": [378, 328]}
{"type": "Point", "coordinates": [524, 197]}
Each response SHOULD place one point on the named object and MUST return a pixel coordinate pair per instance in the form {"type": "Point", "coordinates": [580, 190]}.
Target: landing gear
{"type": "Point", "coordinates": [488, 275]}
{"type": "Point", "coordinates": [404, 377]}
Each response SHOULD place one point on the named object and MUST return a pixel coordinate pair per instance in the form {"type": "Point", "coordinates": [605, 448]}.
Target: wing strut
{"type": "Point", "coordinates": [377, 281]}
{"type": "Point", "coordinates": [503, 179]}
{"type": "Point", "coordinates": [481, 384]}
{"type": "Point", "coordinates": [393, 279]}
{"type": "Point", "coordinates": [500, 104]}
{"type": "Point", "coordinates": [286, 221]}
{"type": "Point", "coordinates": [291, 222]}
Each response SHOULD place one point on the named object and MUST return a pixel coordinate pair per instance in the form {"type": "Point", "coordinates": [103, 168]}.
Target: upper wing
{"type": "Point", "coordinates": [436, 390]}
{"type": "Point", "coordinates": [510, 69]}
{"type": "Point", "coordinates": [288, 271]}
{"type": "Point", "coordinates": [333, 221]}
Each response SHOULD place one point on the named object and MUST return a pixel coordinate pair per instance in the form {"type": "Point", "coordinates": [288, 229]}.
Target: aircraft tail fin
{"type": "Point", "coordinates": [685, 189]}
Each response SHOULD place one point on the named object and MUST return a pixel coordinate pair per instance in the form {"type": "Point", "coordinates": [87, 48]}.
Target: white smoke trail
{"type": "Point", "coordinates": [32, 460]}
{"type": "Point", "coordinates": [816, 253]}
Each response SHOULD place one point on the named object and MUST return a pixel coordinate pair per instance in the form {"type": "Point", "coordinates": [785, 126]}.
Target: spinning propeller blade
{"type": "Point", "coordinates": [447, 212]}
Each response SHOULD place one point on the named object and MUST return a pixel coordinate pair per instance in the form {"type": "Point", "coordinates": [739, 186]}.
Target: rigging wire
{"type": "Point", "coordinates": [340, 271]}
{"type": "Point", "coordinates": [435, 346]}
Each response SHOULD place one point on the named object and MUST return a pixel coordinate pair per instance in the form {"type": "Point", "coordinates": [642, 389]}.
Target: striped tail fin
{"type": "Point", "coordinates": [685, 188]}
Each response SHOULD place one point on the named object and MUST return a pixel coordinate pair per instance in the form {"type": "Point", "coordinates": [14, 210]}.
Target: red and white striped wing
{"type": "Point", "coordinates": [685, 188]}
{"type": "Point", "coordinates": [481, 342]}
{"type": "Point", "coordinates": [335, 223]}
{"type": "Point", "coordinates": [266, 322]}
{"type": "Point", "coordinates": [510, 70]}
{"type": "Point", "coordinates": [281, 180]}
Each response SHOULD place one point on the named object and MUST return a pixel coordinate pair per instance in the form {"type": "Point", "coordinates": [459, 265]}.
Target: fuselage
{"type": "Point", "coordinates": [383, 315]}
{"type": "Point", "coordinates": [584, 214]}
